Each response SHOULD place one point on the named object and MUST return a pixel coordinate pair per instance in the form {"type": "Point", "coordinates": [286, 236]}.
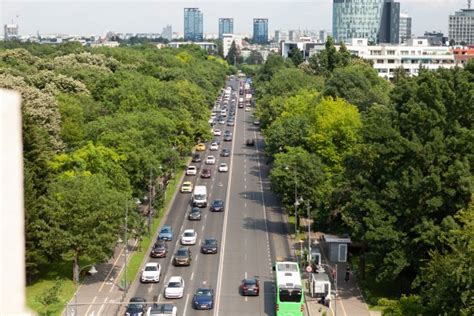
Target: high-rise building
{"type": "Point", "coordinates": [226, 26]}
{"type": "Point", "coordinates": [280, 36]}
{"type": "Point", "coordinates": [461, 26]}
{"type": "Point", "coordinates": [167, 33]}
{"type": "Point", "coordinates": [10, 31]}
{"type": "Point", "coordinates": [389, 31]}
{"type": "Point", "coordinates": [405, 27]}
{"type": "Point", "coordinates": [363, 19]}
{"type": "Point", "coordinates": [260, 30]}
{"type": "Point", "coordinates": [193, 25]}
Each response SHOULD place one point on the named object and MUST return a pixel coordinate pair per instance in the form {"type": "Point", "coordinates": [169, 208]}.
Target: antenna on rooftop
{"type": "Point", "coordinates": [469, 4]}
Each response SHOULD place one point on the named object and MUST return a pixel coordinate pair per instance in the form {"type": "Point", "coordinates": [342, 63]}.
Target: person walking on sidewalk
{"type": "Point", "coordinates": [348, 274]}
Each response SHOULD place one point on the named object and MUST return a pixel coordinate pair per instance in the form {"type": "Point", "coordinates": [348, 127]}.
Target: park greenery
{"type": "Point", "coordinates": [97, 122]}
{"type": "Point", "coordinates": [389, 163]}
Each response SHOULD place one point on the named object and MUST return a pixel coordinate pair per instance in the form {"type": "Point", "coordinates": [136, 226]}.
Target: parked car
{"type": "Point", "coordinates": [194, 214]}
{"type": "Point", "coordinates": [217, 205]}
{"type": "Point", "coordinates": [175, 287]}
{"type": "Point", "coordinates": [189, 237]}
{"type": "Point", "coordinates": [136, 307]}
{"type": "Point", "coordinates": [191, 171]}
{"type": "Point", "coordinates": [151, 272]}
{"type": "Point", "coordinates": [162, 310]}
{"type": "Point", "coordinates": [203, 299]}
{"type": "Point", "coordinates": [209, 245]}
{"type": "Point", "coordinates": [182, 257]}
{"type": "Point", "coordinates": [250, 287]}
{"type": "Point", "coordinates": [166, 233]}
{"type": "Point", "coordinates": [187, 187]}
{"type": "Point", "coordinates": [159, 250]}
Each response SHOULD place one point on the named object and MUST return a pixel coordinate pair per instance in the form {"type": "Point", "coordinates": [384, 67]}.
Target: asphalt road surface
{"type": "Point", "coordinates": [251, 231]}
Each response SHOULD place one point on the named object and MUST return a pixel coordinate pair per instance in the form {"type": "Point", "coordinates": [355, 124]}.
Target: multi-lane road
{"type": "Point", "coordinates": [251, 231]}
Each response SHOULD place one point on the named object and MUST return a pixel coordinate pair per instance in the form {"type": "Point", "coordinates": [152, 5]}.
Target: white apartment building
{"type": "Point", "coordinates": [227, 40]}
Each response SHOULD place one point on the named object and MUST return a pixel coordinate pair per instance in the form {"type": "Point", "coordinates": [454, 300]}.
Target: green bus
{"type": "Point", "coordinates": [289, 289]}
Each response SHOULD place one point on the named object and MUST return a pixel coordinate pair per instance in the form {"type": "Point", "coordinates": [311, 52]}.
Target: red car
{"type": "Point", "coordinates": [250, 287]}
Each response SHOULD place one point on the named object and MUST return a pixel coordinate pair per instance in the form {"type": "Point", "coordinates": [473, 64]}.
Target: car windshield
{"type": "Point", "coordinates": [188, 234]}
{"type": "Point", "coordinates": [182, 253]}
{"type": "Point", "coordinates": [165, 230]}
{"type": "Point", "coordinates": [174, 284]}
{"type": "Point", "coordinates": [195, 210]}
{"type": "Point", "coordinates": [151, 268]}
{"type": "Point", "coordinates": [206, 292]}
{"type": "Point", "coordinates": [210, 242]}
{"type": "Point", "coordinates": [250, 281]}
{"type": "Point", "coordinates": [218, 202]}
{"type": "Point", "coordinates": [135, 306]}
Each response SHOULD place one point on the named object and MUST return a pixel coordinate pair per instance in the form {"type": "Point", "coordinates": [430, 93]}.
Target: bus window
{"type": "Point", "coordinates": [290, 295]}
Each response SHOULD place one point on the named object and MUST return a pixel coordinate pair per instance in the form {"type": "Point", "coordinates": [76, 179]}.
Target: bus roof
{"type": "Point", "coordinates": [288, 275]}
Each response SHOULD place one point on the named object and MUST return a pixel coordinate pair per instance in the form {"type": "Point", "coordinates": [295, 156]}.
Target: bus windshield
{"type": "Point", "coordinates": [290, 295]}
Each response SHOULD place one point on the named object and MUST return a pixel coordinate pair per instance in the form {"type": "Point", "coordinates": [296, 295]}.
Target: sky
{"type": "Point", "coordinates": [86, 17]}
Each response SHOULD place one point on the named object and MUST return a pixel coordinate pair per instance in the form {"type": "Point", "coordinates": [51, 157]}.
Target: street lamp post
{"type": "Point", "coordinates": [92, 271]}
{"type": "Point", "coordinates": [309, 227]}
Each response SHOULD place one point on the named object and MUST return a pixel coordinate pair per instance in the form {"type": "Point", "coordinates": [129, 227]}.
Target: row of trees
{"type": "Point", "coordinates": [389, 163]}
{"type": "Point", "coordinates": [96, 122]}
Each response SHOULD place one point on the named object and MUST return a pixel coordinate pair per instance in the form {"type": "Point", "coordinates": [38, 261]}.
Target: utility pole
{"type": "Point", "coordinates": [309, 229]}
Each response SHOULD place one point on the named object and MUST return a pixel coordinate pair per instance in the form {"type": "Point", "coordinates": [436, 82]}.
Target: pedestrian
{"type": "Point", "coordinates": [348, 274]}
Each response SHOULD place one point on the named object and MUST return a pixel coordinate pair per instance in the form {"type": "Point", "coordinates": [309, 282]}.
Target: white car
{"type": "Point", "coordinates": [223, 167]}
{"type": "Point", "coordinates": [210, 160]}
{"type": "Point", "coordinates": [217, 132]}
{"type": "Point", "coordinates": [189, 237]}
{"type": "Point", "coordinates": [191, 171]}
{"type": "Point", "coordinates": [214, 146]}
{"type": "Point", "coordinates": [175, 287]}
{"type": "Point", "coordinates": [247, 109]}
{"type": "Point", "coordinates": [162, 310]}
{"type": "Point", "coordinates": [151, 272]}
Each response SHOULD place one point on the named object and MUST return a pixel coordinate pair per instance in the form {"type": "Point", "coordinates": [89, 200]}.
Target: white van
{"type": "Point", "coordinates": [200, 196]}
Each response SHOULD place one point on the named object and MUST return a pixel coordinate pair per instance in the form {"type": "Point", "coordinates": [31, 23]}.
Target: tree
{"type": "Point", "coordinates": [255, 58]}
{"type": "Point", "coordinates": [83, 215]}
{"type": "Point", "coordinates": [296, 56]}
{"type": "Point", "coordinates": [233, 54]}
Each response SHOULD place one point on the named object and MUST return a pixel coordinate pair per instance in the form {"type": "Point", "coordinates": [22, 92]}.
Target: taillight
{"type": "Point", "coordinates": [277, 307]}
{"type": "Point", "coordinates": [302, 308]}
{"type": "Point", "coordinates": [244, 288]}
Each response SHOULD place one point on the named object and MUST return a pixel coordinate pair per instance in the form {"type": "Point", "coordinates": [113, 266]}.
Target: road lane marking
{"type": "Point", "coordinates": [197, 257]}
{"type": "Point", "coordinates": [186, 305]}
{"type": "Point", "coordinates": [245, 204]}
{"type": "Point", "coordinates": [192, 275]}
{"type": "Point", "coordinates": [92, 304]}
{"type": "Point", "coordinates": [102, 306]}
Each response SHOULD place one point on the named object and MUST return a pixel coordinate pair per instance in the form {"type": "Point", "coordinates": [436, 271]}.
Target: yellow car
{"type": "Point", "coordinates": [200, 147]}
{"type": "Point", "coordinates": [187, 187]}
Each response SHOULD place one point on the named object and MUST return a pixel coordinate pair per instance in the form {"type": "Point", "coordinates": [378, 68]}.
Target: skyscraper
{"type": "Point", "coordinates": [363, 19]}
{"type": "Point", "coordinates": [260, 30]}
{"type": "Point", "coordinates": [226, 26]}
{"type": "Point", "coordinates": [405, 27]}
{"type": "Point", "coordinates": [167, 33]}
{"type": "Point", "coordinates": [461, 26]}
{"type": "Point", "coordinates": [193, 25]}
{"type": "Point", "coordinates": [389, 31]}
{"type": "Point", "coordinates": [10, 31]}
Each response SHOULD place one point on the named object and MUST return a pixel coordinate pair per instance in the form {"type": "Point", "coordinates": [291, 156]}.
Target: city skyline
{"type": "Point", "coordinates": [87, 17]}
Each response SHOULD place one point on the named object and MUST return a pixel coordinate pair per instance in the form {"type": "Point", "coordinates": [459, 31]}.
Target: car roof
{"type": "Point", "coordinates": [189, 230]}
{"type": "Point", "coordinates": [192, 167]}
{"type": "Point", "coordinates": [187, 182]}
{"type": "Point", "coordinates": [175, 279]}
{"type": "Point", "coordinates": [137, 299]}
{"type": "Point", "coordinates": [166, 226]}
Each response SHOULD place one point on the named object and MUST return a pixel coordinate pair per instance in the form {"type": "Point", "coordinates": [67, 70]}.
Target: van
{"type": "Point", "coordinates": [200, 196]}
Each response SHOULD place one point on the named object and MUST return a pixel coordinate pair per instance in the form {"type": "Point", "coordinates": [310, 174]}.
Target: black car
{"type": "Point", "coordinates": [209, 245]}
{"type": "Point", "coordinates": [217, 205]}
{"type": "Point", "coordinates": [159, 250]}
{"type": "Point", "coordinates": [250, 142]}
{"type": "Point", "coordinates": [194, 214]}
{"type": "Point", "coordinates": [182, 257]}
{"type": "Point", "coordinates": [225, 152]}
{"type": "Point", "coordinates": [136, 307]}
{"type": "Point", "coordinates": [206, 173]}
{"type": "Point", "coordinates": [250, 287]}
{"type": "Point", "coordinates": [196, 158]}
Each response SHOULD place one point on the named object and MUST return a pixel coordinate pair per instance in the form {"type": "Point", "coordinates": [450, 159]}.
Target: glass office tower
{"type": "Point", "coordinates": [260, 31]}
{"type": "Point", "coordinates": [193, 22]}
{"type": "Point", "coordinates": [226, 26]}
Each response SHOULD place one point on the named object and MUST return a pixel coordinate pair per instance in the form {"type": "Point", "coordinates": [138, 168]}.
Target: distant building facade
{"type": "Point", "coordinates": [226, 26]}
{"type": "Point", "coordinates": [280, 36]}
{"type": "Point", "coordinates": [365, 19]}
{"type": "Point", "coordinates": [167, 33]}
{"type": "Point", "coordinates": [405, 27]}
{"type": "Point", "coordinates": [10, 31]}
{"type": "Point", "coordinates": [208, 46]}
{"type": "Point", "coordinates": [435, 38]}
{"type": "Point", "coordinates": [193, 25]}
{"type": "Point", "coordinates": [461, 27]}
{"type": "Point", "coordinates": [260, 31]}
{"type": "Point", "coordinates": [227, 40]}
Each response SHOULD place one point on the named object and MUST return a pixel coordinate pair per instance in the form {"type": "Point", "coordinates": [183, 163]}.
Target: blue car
{"type": "Point", "coordinates": [166, 233]}
{"type": "Point", "coordinates": [203, 299]}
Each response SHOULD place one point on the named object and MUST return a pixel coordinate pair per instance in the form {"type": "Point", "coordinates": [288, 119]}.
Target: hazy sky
{"type": "Point", "coordinates": [97, 17]}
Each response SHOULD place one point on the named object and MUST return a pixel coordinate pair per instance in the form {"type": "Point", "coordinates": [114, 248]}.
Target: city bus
{"type": "Point", "coordinates": [289, 289]}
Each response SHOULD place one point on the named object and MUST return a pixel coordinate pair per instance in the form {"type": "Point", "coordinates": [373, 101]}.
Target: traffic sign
{"type": "Point", "coordinates": [309, 269]}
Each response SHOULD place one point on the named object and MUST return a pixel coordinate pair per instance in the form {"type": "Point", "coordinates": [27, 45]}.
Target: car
{"type": "Point", "coordinates": [211, 121]}
{"type": "Point", "coordinates": [216, 140]}
{"type": "Point", "coordinates": [187, 187]}
{"type": "Point", "coordinates": [182, 257]}
{"type": "Point", "coordinates": [250, 142]}
{"type": "Point", "coordinates": [194, 214]}
{"type": "Point", "coordinates": [191, 171]}
{"type": "Point", "coordinates": [189, 237]}
{"type": "Point", "coordinates": [203, 299]}
{"type": "Point", "coordinates": [217, 205]}
{"type": "Point", "coordinates": [159, 249]}
{"type": "Point", "coordinates": [210, 160]}
{"type": "Point", "coordinates": [223, 167]}
{"type": "Point", "coordinates": [250, 287]}
{"type": "Point", "coordinates": [206, 173]}
{"type": "Point", "coordinates": [136, 307]}
{"type": "Point", "coordinates": [162, 310]}
{"type": "Point", "coordinates": [214, 146]}
{"type": "Point", "coordinates": [227, 136]}
{"type": "Point", "coordinates": [196, 158]}
{"type": "Point", "coordinates": [222, 120]}
{"type": "Point", "coordinates": [256, 122]}
{"type": "Point", "coordinates": [201, 147]}
{"type": "Point", "coordinates": [217, 132]}
{"type": "Point", "coordinates": [166, 233]}
{"type": "Point", "coordinates": [151, 272]}
{"type": "Point", "coordinates": [248, 109]}
{"type": "Point", "coordinates": [209, 245]}
{"type": "Point", "coordinates": [225, 152]}
{"type": "Point", "coordinates": [175, 287]}
{"type": "Point", "coordinates": [230, 123]}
